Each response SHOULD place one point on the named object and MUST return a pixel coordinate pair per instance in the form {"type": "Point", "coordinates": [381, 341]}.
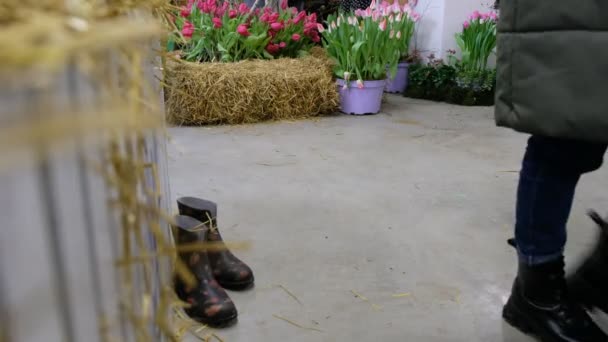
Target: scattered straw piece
{"type": "Point", "coordinates": [290, 294]}
{"type": "Point", "coordinates": [376, 307]}
{"type": "Point", "coordinates": [296, 324]}
{"type": "Point", "coordinates": [401, 295]}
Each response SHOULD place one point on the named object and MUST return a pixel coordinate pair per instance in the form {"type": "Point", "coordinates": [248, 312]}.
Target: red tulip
{"type": "Point", "coordinates": [277, 26]}
{"type": "Point", "coordinates": [315, 38]}
{"type": "Point", "coordinates": [185, 11]}
{"type": "Point", "coordinates": [265, 18]}
{"type": "Point", "coordinates": [217, 22]}
{"type": "Point", "coordinates": [243, 30]}
{"type": "Point", "coordinates": [272, 48]}
{"type": "Point", "coordinates": [188, 29]}
{"type": "Point", "coordinates": [232, 14]}
{"type": "Point", "coordinates": [295, 37]}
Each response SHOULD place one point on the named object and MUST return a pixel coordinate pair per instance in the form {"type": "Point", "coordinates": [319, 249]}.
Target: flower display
{"type": "Point", "coordinates": [363, 43]}
{"type": "Point", "coordinates": [208, 30]}
{"type": "Point", "coordinates": [477, 40]}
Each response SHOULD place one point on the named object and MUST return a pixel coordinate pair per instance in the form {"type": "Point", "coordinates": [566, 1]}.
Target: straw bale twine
{"type": "Point", "coordinates": [250, 91]}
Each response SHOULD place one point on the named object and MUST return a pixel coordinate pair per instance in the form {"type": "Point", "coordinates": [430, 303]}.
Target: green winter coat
{"type": "Point", "coordinates": [552, 60]}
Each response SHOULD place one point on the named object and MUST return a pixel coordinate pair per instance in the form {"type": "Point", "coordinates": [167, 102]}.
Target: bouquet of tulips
{"type": "Point", "coordinates": [401, 21]}
{"type": "Point", "coordinates": [208, 31]}
{"type": "Point", "coordinates": [477, 40]}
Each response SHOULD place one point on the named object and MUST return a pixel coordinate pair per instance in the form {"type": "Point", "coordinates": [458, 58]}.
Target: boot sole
{"type": "Point", "coordinates": [514, 316]}
{"type": "Point", "coordinates": [223, 323]}
{"type": "Point", "coordinates": [239, 286]}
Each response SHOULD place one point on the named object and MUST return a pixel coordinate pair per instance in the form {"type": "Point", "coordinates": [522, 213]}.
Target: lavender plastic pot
{"type": "Point", "coordinates": [399, 83]}
{"type": "Point", "coordinates": [359, 101]}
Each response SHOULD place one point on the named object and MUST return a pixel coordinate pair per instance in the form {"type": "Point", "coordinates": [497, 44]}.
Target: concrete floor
{"type": "Point", "coordinates": [410, 209]}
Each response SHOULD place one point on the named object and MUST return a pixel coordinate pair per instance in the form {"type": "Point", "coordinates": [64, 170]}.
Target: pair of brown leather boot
{"type": "Point", "coordinates": [214, 270]}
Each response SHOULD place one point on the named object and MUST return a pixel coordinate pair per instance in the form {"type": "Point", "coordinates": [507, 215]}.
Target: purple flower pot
{"type": "Point", "coordinates": [399, 83]}
{"type": "Point", "coordinates": [366, 100]}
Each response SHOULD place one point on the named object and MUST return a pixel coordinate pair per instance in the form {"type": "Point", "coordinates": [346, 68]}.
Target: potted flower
{"type": "Point", "coordinates": [362, 48]}
{"type": "Point", "coordinates": [401, 21]}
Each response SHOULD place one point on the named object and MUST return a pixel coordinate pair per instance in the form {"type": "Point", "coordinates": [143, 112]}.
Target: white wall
{"type": "Point", "coordinates": [428, 37]}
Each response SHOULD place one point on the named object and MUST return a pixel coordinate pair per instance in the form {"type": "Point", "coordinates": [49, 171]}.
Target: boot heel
{"type": "Point", "coordinates": [513, 316]}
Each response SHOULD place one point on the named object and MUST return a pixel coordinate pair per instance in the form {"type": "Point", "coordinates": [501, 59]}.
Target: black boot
{"type": "Point", "coordinates": [227, 269]}
{"type": "Point", "coordinates": [209, 303]}
{"type": "Point", "coordinates": [589, 284]}
{"type": "Point", "coordinates": [540, 306]}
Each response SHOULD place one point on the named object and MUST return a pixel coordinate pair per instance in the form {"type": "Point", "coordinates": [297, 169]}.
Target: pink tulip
{"type": "Point", "coordinates": [391, 34]}
{"type": "Point", "coordinates": [382, 25]}
{"type": "Point", "coordinates": [243, 8]}
{"type": "Point", "coordinates": [493, 16]}
{"type": "Point", "coordinates": [466, 25]}
{"type": "Point", "coordinates": [360, 84]}
{"type": "Point", "coordinates": [282, 45]}
{"type": "Point", "coordinates": [415, 16]}
{"type": "Point", "coordinates": [243, 30]}
{"type": "Point", "coordinates": [315, 37]}
{"type": "Point", "coordinates": [312, 18]}
{"type": "Point", "coordinates": [277, 26]}
{"type": "Point", "coordinates": [273, 17]}
{"type": "Point", "coordinates": [264, 18]}
{"type": "Point", "coordinates": [398, 34]}
{"type": "Point", "coordinates": [232, 14]}
{"type": "Point", "coordinates": [396, 8]}
{"type": "Point", "coordinates": [320, 28]}
{"type": "Point", "coordinates": [475, 15]}
{"type": "Point", "coordinates": [295, 37]}
{"type": "Point", "coordinates": [284, 5]}
{"type": "Point", "coordinates": [188, 29]}
{"type": "Point", "coordinates": [301, 16]}
{"type": "Point", "coordinates": [217, 22]}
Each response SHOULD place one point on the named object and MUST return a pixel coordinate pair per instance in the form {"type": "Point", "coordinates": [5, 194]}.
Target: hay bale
{"type": "Point", "coordinates": [249, 91]}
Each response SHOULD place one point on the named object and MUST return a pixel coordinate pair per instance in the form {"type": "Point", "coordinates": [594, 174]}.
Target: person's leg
{"type": "Point", "coordinates": [539, 302]}
{"type": "Point", "coordinates": [550, 171]}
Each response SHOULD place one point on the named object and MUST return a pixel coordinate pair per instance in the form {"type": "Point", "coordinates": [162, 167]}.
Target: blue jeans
{"type": "Point", "coordinates": [550, 171]}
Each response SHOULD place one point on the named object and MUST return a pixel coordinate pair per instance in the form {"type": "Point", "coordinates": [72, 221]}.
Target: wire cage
{"type": "Point", "coordinates": [85, 244]}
